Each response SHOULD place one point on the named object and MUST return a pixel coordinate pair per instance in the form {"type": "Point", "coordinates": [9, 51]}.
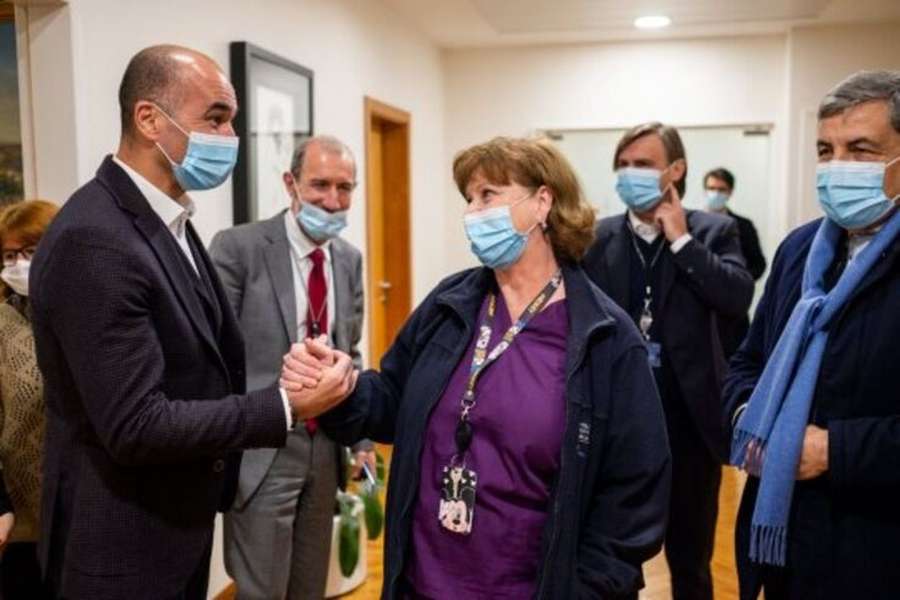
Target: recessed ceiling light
{"type": "Point", "coordinates": [652, 22]}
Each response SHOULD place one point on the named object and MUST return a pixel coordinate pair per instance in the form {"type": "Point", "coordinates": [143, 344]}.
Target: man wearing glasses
{"type": "Point", "coordinates": [288, 278]}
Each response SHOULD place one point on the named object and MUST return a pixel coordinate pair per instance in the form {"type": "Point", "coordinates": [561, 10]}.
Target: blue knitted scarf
{"type": "Point", "coordinates": [768, 438]}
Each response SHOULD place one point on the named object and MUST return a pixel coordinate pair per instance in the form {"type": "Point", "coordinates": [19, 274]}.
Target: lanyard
{"type": "Point", "coordinates": [646, 320]}
{"type": "Point", "coordinates": [482, 359]}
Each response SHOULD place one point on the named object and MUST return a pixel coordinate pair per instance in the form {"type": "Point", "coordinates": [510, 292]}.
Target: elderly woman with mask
{"type": "Point", "coordinates": [530, 453]}
{"type": "Point", "coordinates": [21, 402]}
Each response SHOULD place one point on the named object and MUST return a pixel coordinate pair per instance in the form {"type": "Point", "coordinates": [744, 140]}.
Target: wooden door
{"type": "Point", "coordinates": [389, 285]}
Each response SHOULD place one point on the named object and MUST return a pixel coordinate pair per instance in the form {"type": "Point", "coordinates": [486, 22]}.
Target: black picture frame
{"type": "Point", "coordinates": [275, 100]}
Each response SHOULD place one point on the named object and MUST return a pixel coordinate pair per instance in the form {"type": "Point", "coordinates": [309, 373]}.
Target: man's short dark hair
{"type": "Point", "coordinates": [671, 142]}
{"type": "Point", "coordinates": [722, 174]}
{"type": "Point", "coordinates": [152, 74]}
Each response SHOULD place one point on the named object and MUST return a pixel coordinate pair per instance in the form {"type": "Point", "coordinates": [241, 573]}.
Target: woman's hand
{"type": "Point", "coordinates": [304, 365]}
{"type": "Point", "coordinates": [312, 395]}
{"type": "Point", "coordinates": [7, 521]}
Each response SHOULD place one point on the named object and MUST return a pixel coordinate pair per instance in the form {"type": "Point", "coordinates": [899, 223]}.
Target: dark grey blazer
{"type": "Point", "coordinates": [706, 279]}
{"type": "Point", "coordinates": [144, 392]}
{"type": "Point", "coordinates": [254, 262]}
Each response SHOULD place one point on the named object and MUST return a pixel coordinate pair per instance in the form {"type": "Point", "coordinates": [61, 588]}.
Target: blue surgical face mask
{"type": "Point", "coordinates": [208, 160]}
{"type": "Point", "coordinates": [852, 192]}
{"type": "Point", "coordinates": [638, 187]}
{"type": "Point", "coordinates": [319, 224]}
{"type": "Point", "coordinates": [716, 200]}
{"type": "Point", "coordinates": [493, 237]}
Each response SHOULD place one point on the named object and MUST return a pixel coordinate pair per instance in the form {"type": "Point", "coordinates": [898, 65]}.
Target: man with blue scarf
{"type": "Point", "coordinates": [812, 393]}
{"type": "Point", "coordinates": [289, 277]}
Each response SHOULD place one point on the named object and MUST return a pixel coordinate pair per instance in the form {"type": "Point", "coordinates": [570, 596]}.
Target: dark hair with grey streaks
{"type": "Point", "coordinates": [864, 86]}
{"type": "Point", "coordinates": [328, 143]}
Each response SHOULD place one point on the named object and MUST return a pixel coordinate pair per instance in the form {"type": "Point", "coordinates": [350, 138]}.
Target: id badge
{"type": "Point", "coordinates": [654, 354]}
{"type": "Point", "coordinates": [457, 503]}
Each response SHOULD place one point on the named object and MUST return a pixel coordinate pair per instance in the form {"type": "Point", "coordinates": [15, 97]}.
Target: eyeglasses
{"type": "Point", "coordinates": [11, 255]}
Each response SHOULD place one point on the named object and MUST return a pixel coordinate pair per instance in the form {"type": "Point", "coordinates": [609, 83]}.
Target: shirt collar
{"type": "Point", "coordinates": [645, 231]}
{"type": "Point", "coordinates": [299, 241]}
{"type": "Point", "coordinates": [174, 213]}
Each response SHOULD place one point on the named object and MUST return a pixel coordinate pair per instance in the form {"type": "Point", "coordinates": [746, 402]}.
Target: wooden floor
{"type": "Point", "coordinates": [655, 572]}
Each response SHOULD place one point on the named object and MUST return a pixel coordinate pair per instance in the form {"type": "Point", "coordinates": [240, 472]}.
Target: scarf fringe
{"type": "Point", "coordinates": [768, 544]}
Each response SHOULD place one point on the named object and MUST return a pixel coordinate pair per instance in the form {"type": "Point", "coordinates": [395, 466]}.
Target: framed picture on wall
{"type": "Point", "coordinates": [11, 172]}
{"type": "Point", "coordinates": [275, 97]}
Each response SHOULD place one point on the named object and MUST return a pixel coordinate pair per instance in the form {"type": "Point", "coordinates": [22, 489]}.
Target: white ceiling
{"type": "Point", "coordinates": [475, 23]}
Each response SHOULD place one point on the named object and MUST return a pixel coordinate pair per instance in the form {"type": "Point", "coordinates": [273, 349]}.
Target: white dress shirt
{"type": "Point", "coordinates": [650, 231]}
{"type": "Point", "coordinates": [301, 266]}
{"type": "Point", "coordinates": [174, 213]}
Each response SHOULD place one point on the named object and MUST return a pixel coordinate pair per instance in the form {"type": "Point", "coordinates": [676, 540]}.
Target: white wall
{"type": "Point", "coordinates": [355, 48]}
{"type": "Point", "coordinates": [50, 144]}
{"type": "Point", "coordinates": [777, 79]}
{"type": "Point", "coordinates": [513, 91]}
{"type": "Point", "coordinates": [819, 58]}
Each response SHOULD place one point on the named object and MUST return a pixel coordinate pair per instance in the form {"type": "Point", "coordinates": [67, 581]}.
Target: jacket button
{"type": "Point", "coordinates": [219, 466]}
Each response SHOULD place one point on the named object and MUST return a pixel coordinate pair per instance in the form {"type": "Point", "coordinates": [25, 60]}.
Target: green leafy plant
{"type": "Point", "coordinates": [373, 512]}
{"type": "Point", "coordinates": [348, 536]}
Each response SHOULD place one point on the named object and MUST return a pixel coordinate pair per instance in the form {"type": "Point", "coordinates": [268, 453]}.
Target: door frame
{"type": "Point", "coordinates": [377, 111]}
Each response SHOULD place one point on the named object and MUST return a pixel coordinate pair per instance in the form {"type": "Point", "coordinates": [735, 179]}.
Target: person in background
{"type": "Point", "coordinates": [675, 272]}
{"type": "Point", "coordinates": [718, 185]}
{"type": "Point", "coordinates": [812, 393]}
{"type": "Point", "coordinates": [287, 278]}
{"type": "Point", "coordinates": [21, 404]}
{"type": "Point", "coordinates": [530, 456]}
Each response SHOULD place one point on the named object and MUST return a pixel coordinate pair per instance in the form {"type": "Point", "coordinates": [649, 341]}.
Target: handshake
{"type": "Point", "coordinates": [316, 378]}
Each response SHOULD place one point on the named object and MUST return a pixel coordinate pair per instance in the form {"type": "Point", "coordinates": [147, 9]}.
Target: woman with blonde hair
{"type": "Point", "coordinates": [530, 455]}
{"type": "Point", "coordinates": [21, 403]}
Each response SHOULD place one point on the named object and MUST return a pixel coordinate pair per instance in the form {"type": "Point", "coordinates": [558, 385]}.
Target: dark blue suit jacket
{"type": "Point", "coordinates": [845, 526]}
{"type": "Point", "coordinates": [145, 416]}
{"type": "Point", "coordinates": [705, 281]}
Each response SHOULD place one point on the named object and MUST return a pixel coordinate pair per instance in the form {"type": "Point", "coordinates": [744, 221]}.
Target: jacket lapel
{"type": "Point", "coordinates": [669, 269]}
{"type": "Point", "coordinates": [163, 244]}
{"type": "Point", "coordinates": [617, 260]}
{"type": "Point", "coordinates": [666, 278]}
{"type": "Point", "coordinates": [343, 294]}
{"type": "Point", "coordinates": [278, 263]}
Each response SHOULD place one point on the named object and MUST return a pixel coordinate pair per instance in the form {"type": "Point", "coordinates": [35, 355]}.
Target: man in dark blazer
{"type": "Point", "coordinates": [142, 357]}
{"type": "Point", "coordinates": [718, 185]}
{"type": "Point", "coordinates": [278, 534]}
{"type": "Point", "coordinates": [844, 528]}
{"type": "Point", "coordinates": [676, 272]}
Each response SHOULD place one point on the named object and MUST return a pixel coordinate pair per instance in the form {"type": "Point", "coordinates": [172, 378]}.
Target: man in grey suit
{"type": "Point", "coordinates": [288, 278]}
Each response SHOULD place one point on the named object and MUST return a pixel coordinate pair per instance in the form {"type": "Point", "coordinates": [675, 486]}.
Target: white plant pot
{"type": "Point", "coordinates": [337, 583]}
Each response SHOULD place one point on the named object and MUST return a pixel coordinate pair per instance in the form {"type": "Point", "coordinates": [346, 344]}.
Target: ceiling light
{"type": "Point", "coordinates": [652, 22]}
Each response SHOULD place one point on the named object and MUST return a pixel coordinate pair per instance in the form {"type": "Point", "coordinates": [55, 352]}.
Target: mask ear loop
{"type": "Point", "coordinates": [296, 187]}
{"type": "Point", "coordinates": [532, 228]}
{"type": "Point", "coordinates": [177, 126]}
{"type": "Point", "coordinates": [888, 165]}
